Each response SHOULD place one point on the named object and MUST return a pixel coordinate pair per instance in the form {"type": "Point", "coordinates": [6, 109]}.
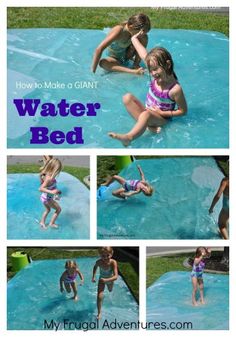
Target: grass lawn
{"type": "Point", "coordinates": [99, 17]}
{"type": "Point", "coordinates": [42, 253]}
{"type": "Point", "coordinates": [78, 172]}
{"type": "Point", "coordinates": [106, 166]}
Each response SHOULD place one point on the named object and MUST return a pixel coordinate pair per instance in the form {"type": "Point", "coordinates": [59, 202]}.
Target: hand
{"type": "Point", "coordinates": [102, 280]}
{"type": "Point", "coordinates": [93, 280]}
{"type": "Point", "coordinates": [140, 33]}
{"type": "Point", "coordinates": [154, 110]}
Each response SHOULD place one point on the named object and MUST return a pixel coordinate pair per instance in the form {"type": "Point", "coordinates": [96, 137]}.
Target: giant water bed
{"type": "Point", "coordinates": [169, 301]}
{"type": "Point", "coordinates": [55, 64]}
{"type": "Point", "coordinates": [24, 208]}
{"type": "Point", "coordinates": [178, 209]}
{"type": "Point", "coordinates": [33, 296]}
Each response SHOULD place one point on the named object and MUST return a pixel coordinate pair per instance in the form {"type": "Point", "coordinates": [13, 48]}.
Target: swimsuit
{"type": "Point", "coordinates": [198, 269]}
{"type": "Point", "coordinates": [106, 273]}
{"type": "Point", "coordinates": [46, 197]}
{"type": "Point", "coordinates": [70, 278]}
{"type": "Point", "coordinates": [117, 49]}
{"type": "Point", "coordinates": [225, 202]}
{"type": "Point", "coordinates": [131, 185]}
{"type": "Point", "coordinates": [161, 99]}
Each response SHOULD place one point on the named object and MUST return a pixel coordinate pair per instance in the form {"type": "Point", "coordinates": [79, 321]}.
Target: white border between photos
{"type": "Point", "coordinates": [94, 152]}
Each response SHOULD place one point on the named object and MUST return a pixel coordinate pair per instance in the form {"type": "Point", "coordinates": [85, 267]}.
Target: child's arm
{"type": "Point", "coordinates": [130, 193]}
{"type": "Point", "coordinates": [140, 48]}
{"type": "Point", "coordinates": [141, 172]}
{"type": "Point", "coordinates": [94, 271]}
{"type": "Point", "coordinates": [115, 274]}
{"type": "Point", "coordinates": [61, 281]}
{"type": "Point", "coordinates": [216, 198]}
{"type": "Point", "coordinates": [113, 35]}
{"type": "Point", "coordinates": [144, 41]}
{"type": "Point", "coordinates": [81, 276]}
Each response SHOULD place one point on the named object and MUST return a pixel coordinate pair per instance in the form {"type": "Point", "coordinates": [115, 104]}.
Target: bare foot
{"type": "Point", "coordinates": [154, 129]}
{"type": "Point", "coordinates": [43, 226]}
{"type": "Point", "coordinates": [53, 225]}
{"type": "Point", "coordinates": [125, 140]}
{"type": "Point", "coordinates": [76, 298]}
{"type": "Point", "coordinates": [203, 302]}
{"type": "Point", "coordinates": [99, 316]}
{"type": "Point", "coordinates": [195, 304]}
{"type": "Point", "coordinates": [139, 71]}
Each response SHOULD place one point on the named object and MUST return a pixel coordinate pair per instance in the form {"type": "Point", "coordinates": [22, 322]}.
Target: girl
{"type": "Point", "coordinates": [223, 219]}
{"type": "Point", "coordinates": [164, 93]}
{"type": "Point", "coordinates": [197, 273]}
{"type": "Point", "coordinates": [108, 274]}
{"type": "Point", "coordinates": [69, 276]}
{"type": "Point", "coordinates": [130, 187]}
{"type": "Point", "coordinates": [49, 188]}
{"type": "Point", "coordinates": [120, 48]}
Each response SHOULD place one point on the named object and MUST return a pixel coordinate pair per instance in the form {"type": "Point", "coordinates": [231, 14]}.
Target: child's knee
{"type": "Point", "coordinates": [100, 295]}
{"type": "Point", "coordinates": [58, 210]}
{"type": "Point", "coordinates": [127, 98]}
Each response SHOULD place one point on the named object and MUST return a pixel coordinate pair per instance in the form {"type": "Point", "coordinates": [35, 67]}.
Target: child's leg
{"type": "Point", "coordinates": [111, 179]}
{"type": "Point", "coordinates": [111, 64]}
{"type": "Point", "coordinates": [57, 208]}
{"type": "Point", "coordinates": [74, 287]}
{"type": "Point", "coordinates": [119, 193]}
{"type": "Point", "coordinates": [194, 291]}
{"type": "Point", "coordinates": [110, 286]}
{"type": "Point", "coordinates": [223, 223]}
{"type": "Point", "coordinates": [44, 216]}
{"type": "Point", "coordinates": [100, 294]}
{"type": "Point", "coordinates": [138, 129]}
{"type": "Point", "coordinates": [201, 289]}
{"type": "Point", "coordinates": [67, 286]}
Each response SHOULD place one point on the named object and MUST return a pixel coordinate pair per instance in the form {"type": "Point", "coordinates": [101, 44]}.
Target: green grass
{"type": "Point", "coordinates": [42, 253]}
{"type": "Point", "coordinates": [98, 18]}
{"type": "Point", "coordinates": [157, 266]}
{"type": "Point", "coordinates": [78, 172]}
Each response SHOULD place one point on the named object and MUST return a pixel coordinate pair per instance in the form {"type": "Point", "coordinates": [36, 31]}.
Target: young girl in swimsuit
{"type": "Point", "coordinates": [197, 273]}
{"type": "Point", "coordinates": [108, 274]}
{"type": "Point", "coordinates": [68, 278]}
{"type": "Point", "coordinates": [164, 94]}
{"type": "Point", "coordinates": [49, 191]}
{"type": "Point", "coordinates": [223, 219]}
{"type": "Point", "coordinates": [130, 187]}
{"type": "Point", "coordinates": [120, 48]}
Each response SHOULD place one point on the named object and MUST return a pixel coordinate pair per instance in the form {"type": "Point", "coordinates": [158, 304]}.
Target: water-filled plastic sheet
{"type": "Point", "coordinates": [25, 209]}
{"type": "Point", "coordinates": [33, 295]}
{"type": "Point", "coordinates": [65, 55]}
{"type": "Point", "coordinates": [169, 300]}
{"type": "Point", "coordinates": [178, 209]}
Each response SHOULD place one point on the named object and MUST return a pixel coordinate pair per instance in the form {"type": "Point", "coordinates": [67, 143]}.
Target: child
{"type": "Point", "coordinates": [69, 276]}
{"type": "Point", "coordinates": [223, 218]}
{"type": "Point", "coordinates": [130, 187]}
{"type": "Point", "coordinates": [49, 188]}
{"type": "Point", "coordinates": [120, 48]}
{"type": "Point", "coordinates": [164, 93]}
{"type": "Point", "coordinates": [108, 274]}
{"type": "Point", "coordinates": [197, 273]}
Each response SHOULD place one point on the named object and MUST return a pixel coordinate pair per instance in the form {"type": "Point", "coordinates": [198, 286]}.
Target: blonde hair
{"type": "Point", "coordinates": [70, 264]}
{"type": "Point", "coordinates": [139, 21]}
{"type": "Point", "coordinates": [107, 250]}
{"type": "Point", "coordinates": [52, 167]}
{"type": "Point", "coordinates": [162, 58]}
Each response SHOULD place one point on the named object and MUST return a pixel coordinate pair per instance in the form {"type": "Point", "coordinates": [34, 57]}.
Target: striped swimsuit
{"type": "Point", "coordinates": [198, 269]}
{"type": "Point", "coordinates": [161, 99]}
{"type": "Point", "coordinates": [46, 197]}
{"type": "Point", "coordinates": [131, 185]}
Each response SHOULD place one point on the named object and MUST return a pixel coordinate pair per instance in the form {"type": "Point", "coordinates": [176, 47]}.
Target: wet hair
{"type": "Point", "coordinates": [199, 251]}
{"type": "Point", "coordinates": [151, 189]}
{"type": "Point", "coordinates": [139, 21]}
{"type": "Point", "coordinates": [70, 264]}
{"type": "Point", "coordinates": [106, 250]}
{"type": "Point", "coordinates": [52, 167]}
{"type": "Point", "coordinates": [160, 56]}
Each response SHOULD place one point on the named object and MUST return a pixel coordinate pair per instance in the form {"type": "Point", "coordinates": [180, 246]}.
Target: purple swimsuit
{"type": "Point", "coordinates": [161, 99]}
{"type": "Point", "coordinates": [46, 197]}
